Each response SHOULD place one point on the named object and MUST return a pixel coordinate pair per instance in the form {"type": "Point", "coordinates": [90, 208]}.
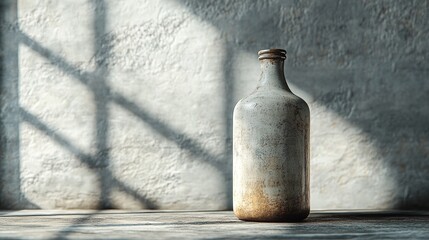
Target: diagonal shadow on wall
{"type": "Point", "coordinates": [14, 114]}
{"type": "Point", "coordinates": [364, 61]}
{"type": "Point", "coordinates": [103, 95]}
{"type": "Point", "coordinates": [174, 135]}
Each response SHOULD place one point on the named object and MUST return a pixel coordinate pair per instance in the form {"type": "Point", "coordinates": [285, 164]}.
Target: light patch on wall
{"type": "Point", "coordinates": [346, 167]}
{"type": "Point", "coordinates": [167, 141]}
{"type": "Point", "coordinates": [51, 175]}
{"type": "Point", "coordinates": [57, 108]}
{"type": "Point", "coordinates": [60, 101]}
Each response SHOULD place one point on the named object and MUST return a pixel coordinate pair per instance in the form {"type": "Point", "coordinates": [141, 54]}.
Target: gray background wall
{"type": "Point", "coordinates": [128, 104]}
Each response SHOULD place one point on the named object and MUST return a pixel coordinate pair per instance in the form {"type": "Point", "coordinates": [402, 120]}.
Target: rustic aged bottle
{"type": "Point", "coordinates": [271, 130]}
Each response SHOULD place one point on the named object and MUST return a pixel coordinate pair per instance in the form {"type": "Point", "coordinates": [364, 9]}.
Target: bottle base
{"type": "Point", "coordinates": [293, 217]}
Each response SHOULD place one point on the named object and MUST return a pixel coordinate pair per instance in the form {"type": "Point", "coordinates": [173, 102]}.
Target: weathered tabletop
{"type": "Point", "coordinates": [115, 224]}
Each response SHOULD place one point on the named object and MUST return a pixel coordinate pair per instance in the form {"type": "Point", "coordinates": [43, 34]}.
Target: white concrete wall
{"type": "Point", "coordinates": [128, 104]}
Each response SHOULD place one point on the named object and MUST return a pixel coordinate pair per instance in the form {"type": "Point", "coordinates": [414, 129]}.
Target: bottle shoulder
{"type": "Point", "coordinates": [270, 97]}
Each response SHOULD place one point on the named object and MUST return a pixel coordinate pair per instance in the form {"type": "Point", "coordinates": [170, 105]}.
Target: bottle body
{"type": "Point", "coordinates": [271, 153]}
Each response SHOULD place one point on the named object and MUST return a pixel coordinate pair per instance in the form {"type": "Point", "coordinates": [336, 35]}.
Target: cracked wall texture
{"type": "Point", "coordinates": [128, 104]}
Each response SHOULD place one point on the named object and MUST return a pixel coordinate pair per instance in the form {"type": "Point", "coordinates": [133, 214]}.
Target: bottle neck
{"type": "Point", "coordinates": [272, 74]}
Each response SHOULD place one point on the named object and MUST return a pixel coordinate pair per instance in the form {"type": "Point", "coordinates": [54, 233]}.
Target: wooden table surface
{"type": "Point", "coordinates": [120, 224]}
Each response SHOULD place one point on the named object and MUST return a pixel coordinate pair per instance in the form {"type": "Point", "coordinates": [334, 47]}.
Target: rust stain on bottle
{"type": "Point", "coordinates": [259, 207]}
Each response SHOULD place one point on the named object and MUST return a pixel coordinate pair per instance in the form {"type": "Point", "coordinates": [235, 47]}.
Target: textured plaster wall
{"type": "Point", "coordinates": [128, 104]}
